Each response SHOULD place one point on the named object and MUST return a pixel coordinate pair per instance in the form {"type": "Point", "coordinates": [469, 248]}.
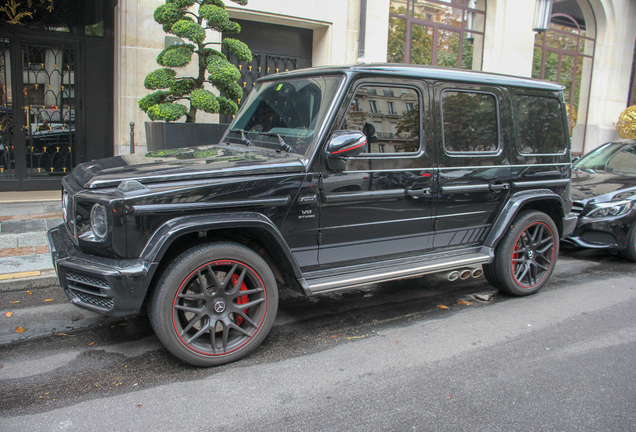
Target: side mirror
{"type": "Point", "coordinates": [344, 144]}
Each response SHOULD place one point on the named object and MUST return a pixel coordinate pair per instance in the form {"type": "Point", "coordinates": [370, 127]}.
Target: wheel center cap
{"type": "Point", "coordinates": [219, 306]}
{"type": "Point", "coordinates": [530, 254]}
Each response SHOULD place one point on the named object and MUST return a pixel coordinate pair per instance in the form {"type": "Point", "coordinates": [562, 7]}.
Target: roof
{"type": "Point", "coordinates": [427, 72]}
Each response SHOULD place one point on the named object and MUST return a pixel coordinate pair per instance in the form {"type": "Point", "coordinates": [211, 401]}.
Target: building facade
{"type": "Point", "coordinates": [589, 48]}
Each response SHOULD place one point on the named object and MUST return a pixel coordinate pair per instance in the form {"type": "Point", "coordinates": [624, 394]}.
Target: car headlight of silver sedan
{"type": "Point", "coordinates": [610, 209]}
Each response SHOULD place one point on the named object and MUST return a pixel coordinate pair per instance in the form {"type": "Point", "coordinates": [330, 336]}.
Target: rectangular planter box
{"type": "Point", "coordinates": [160, 135]}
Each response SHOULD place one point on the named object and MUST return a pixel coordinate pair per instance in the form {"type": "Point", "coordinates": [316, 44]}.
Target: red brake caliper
{"type": "Point", "coordinates": [240, 300]}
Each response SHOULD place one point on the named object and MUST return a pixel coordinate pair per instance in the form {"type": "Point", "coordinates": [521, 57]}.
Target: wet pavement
{"type": "Point", "coordinates": [66, 356]}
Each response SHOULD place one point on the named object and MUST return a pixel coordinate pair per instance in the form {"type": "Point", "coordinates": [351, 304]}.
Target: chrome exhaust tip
{"type": "Point", "coordinates": [453, 276]}
{"type": "Point", "coordinates": [465, 274]}
{"type": "Point", "coordinates": [477, 272]}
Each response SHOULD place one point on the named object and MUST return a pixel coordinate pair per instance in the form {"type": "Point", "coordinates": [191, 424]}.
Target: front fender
{"type": "Point", "coordinates": [170, 231]}
{"type": "Point", "coordinates": [516, 204]}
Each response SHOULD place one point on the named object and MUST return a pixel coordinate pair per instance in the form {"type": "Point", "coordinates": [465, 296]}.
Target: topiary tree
{"type": "Point", "coordinates": [188, 19]}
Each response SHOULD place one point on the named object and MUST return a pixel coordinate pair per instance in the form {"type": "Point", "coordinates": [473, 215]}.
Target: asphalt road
{"type": "Point", "coordinates": [384, 357]}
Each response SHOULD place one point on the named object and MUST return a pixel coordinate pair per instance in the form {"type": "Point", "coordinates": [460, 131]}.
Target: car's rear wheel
{"type": "Point", "coordinates": [526, 256]}
{"type": "Point", "coordinates": [630, 250]}
{"type": "Point", "coordinates": [214, 304]}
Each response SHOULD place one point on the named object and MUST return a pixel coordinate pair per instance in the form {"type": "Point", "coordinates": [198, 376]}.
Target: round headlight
{"type": "Point", "coordinates": [99, 222]}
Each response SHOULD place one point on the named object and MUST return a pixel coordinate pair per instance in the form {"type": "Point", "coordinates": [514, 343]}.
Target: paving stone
{"type": "Point", "coordinates": [52, 223]}
{"type": "Point", "coordinates": [25, 226]}
{"type": "Point", "coordinates": [25, 263]}
{"type": "Point", "coordinates": [52, 207]}
{"type": "Point", "coordinates": [32, 239]}
{"type": "Point", "coordinates": [8, 241]}
{"type": "Point", "coordinates": [21, 209]}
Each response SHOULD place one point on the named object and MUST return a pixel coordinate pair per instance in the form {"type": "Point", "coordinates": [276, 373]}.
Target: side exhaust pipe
{"type": "Point", "coordinates": [453, 276]}
{"type": "Point", "coordinates": [465, 274]}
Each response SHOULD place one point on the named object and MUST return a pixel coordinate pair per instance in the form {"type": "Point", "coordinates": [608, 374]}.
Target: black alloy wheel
{"type": "Point", "coordinates": [526, 256]}
{"type": "Point", "coordinates": [214, 304]}
{"type": "Point", "coordinates": [630, 250]}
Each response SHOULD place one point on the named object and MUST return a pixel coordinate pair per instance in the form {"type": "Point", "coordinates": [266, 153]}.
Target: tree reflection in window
{"type": "Point", "coordinates": [539, 125]}
{"type": "Point", "coordinates": [470, 122]}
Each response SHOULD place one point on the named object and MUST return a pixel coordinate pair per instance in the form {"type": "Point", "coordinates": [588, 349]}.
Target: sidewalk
{"type": "Point", "coordinates": [25, 217]}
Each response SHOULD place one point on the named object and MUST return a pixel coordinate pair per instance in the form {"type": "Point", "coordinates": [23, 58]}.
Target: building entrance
{"type": "Point", "coordinates": [52, 81]}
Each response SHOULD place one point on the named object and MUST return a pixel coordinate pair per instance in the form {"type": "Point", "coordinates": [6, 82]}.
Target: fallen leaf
{"type": "Point", "coordinates": [48, 299]}
{"type": "Point", "coordinates": [20, 329]}
{"type": "Point", "coordinates": [16, 301]}
{"type": "Point", "coordinates": [116, 378]}
{"type": "Point", "coordinates": [334, 336]}
{"type": "Point", "coordinates": [8, 314]}
{"type": "Point", "coordinates": [139, 405]}
{"type": "Point", "coordinates": [442, 306]}
{"type": "Point", "coordinates": [29, 292]}
{"type": "Point", "coordinates": [62, 334]}
{"type": "Point", "coordinates": [465, 303]}
{"type": "Point", "coordinates": [92, 343]}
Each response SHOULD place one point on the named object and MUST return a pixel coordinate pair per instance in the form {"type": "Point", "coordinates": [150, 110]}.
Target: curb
{"type": "Point", "coordinates": [29, 281]}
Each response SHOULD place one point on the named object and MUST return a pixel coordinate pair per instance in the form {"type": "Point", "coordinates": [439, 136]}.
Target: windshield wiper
{"type": "Point", "coordinates": [244, 140]}
{"type": "Point", "coordinates": [281, 141]}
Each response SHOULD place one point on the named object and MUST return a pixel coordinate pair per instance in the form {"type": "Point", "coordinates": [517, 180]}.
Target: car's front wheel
{"type": "Point", "coordinates": [630, 250]}
{"type": "Point", "coordinates": [526, 256]}
{"type": "Point", "coordinates": [214, 304]}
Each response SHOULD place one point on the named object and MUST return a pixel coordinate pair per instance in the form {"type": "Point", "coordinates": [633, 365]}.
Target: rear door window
{"type": "Point", "coordinates": [470, 122]}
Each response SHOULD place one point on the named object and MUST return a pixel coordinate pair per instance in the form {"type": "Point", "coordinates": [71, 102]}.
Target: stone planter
{"type": "Point", "coordinates": [161, 135]}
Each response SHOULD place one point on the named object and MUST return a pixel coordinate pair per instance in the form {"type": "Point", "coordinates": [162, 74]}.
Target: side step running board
{"type": "Point", "coordinates": [369, 276]}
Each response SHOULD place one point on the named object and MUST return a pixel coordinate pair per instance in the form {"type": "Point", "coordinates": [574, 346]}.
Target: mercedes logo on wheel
{"type": "Point", "coordinates": [219, 306]}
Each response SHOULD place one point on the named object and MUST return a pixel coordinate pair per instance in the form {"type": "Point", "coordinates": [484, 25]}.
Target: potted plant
{"type": "Point", "coordinates": [178, 96]}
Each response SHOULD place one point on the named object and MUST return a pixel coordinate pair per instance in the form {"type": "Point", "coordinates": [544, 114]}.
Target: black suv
{"type": "Point", "coordinates": [328, 178]}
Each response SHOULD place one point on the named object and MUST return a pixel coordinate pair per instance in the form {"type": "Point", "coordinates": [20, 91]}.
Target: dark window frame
{"type": "Point", "coordinates": [436, 27]}
{"type": "Point", "coordinates": [513, 105]}
{"type": "Point", "coordinates": [498, 117]}
{"type": "Point", "coordinates": [420, 103]}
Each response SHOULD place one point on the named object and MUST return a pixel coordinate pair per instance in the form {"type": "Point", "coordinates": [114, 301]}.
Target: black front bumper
{"type": "Point", "coordinates": [607, 233]}
{"type": "Point", "coordinates": [114, 287]}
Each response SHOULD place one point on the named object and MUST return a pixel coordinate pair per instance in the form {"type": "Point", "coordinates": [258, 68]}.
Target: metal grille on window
{"type": "Point", "coordinates": [7, 162]}
{"type": "Point", "coordinates": [49, 107]}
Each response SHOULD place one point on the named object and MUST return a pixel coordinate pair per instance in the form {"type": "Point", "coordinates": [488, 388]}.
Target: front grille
{"type": "Point", "coordinates": [83, 279]}
{"type": "Point", "coordinates": [598, 237]}
{"type": "Point", "coordinates": [577, 207]}
{"type": "Point", "coordinates": [107, 303]}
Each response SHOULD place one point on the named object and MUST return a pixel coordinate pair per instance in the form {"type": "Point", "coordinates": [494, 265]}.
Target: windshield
{"type": "Point", "coordinates": [284, 114]}
{"type": "Point", "coordinates": [610, 158]}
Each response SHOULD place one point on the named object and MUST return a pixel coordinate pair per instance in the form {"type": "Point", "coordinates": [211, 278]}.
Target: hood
{"type": "Point", "coordinates": [186, 163]}
{"type": "Point", "coordinates": [602, 185]}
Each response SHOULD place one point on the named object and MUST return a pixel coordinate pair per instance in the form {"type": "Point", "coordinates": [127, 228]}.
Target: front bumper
{"type": "Point", "coordinates": [608, 233]}
{"type": "Point", "coordinates": [113, 287]}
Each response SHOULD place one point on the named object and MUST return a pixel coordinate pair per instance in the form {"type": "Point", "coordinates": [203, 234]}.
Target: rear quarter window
{"type": "Point", "coordinates": [539, 125]}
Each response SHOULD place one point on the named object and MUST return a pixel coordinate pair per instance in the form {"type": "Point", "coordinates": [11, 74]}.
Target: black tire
{"type": "Point", "coordinates": [223, 286]}
{"type": "Point", "coordinates": [630, 250]}
{"type": "Point", "coordinates": [526, 256]}
{"type": "Point", "coordinates": [491, 275]}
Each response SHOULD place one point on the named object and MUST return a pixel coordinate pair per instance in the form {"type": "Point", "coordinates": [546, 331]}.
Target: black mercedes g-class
{"type": "Point", "coordinates": [327, 178]}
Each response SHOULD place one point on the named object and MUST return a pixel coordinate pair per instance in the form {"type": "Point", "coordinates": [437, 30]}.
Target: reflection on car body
{"type": "Point", "coordinates": [604, 194]}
